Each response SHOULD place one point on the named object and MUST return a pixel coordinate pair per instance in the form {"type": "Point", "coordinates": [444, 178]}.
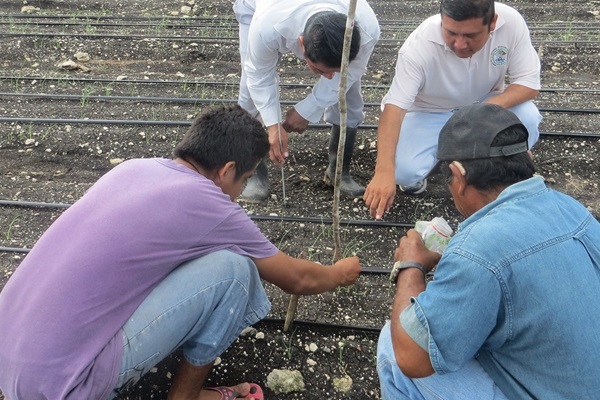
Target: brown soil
{"type": "Point", "coordinates": [170, 57]}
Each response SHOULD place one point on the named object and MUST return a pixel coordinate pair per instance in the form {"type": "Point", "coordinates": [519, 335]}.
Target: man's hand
{"type": "Point", "coordinates": [294, 122]}
{"type": "Point", "coordinates": [412, 248]}
{"type": "Point", "coordinates": [349, 269]}
{"type": "Point", "coordinates": [380, 193]}
{"type": "Point", "coordinates": [279, 151]}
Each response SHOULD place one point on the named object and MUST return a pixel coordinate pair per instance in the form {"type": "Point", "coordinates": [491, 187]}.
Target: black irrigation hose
{"type": "Point", "coordinates": [322, 325]}
{"type": "Point", "coordinates": [236, 83]}
{"type": "Point", "coordinates": [62, 24]}
{"type": "Point", "coordinates": [191, 21]}
{"type": "Point", "coordinates": [191, 100]}
{"type": "Point", "coordinates": [220, 24]}
{"type": "Point", "coordinates": [94, 121]}
{"type": "Point", "coordinates": [531, 24]}
{"type": "Point", "coordinates": [234, 39]}
{"type": "Point", "coordinates": [205, 39]}
{"type": "Point", "coordinates": [179, 100]}
{"type": "Point", "coordinates": [113, 17]}
{"type": "Point", "coordinates": [127, 22]}
{"type": "Point", "coordinates": [364, 270]}
{"type": "Point", "coordinates": [14, 250]}
{"type": "Point", "coordinates": [188, 123]}
{"type": "Point", "coordinates": [317, 220]}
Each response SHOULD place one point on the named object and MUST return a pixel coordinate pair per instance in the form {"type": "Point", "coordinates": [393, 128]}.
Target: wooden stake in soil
{"type": "Point", "coordinates": [284, 202]}
{"type": "Point", "coordinates": [337, 252]}
{"type": "Point", "coordinates": [337, 248]}
{"type": "Point", "coordinates": [291, 312]}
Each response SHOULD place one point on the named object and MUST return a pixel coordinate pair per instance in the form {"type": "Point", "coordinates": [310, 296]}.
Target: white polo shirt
{"type": "Point", "coordinates": [430, 77]}
{"type": "Point", "coordinates": [275, 29]}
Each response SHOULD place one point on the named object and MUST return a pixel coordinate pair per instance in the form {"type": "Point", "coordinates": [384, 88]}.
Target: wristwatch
{"type": "Point", "coordinates": [400, 265]}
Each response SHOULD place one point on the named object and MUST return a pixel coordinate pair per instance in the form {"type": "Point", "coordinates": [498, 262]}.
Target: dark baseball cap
{"type": "Point", "coordinates": [469, 133]}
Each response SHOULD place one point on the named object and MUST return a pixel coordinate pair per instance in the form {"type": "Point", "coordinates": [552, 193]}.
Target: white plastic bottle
{"type": "Point", "coordinates": [435, 233]}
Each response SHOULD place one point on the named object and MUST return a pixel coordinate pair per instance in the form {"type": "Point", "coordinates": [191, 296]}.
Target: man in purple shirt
{"type": "Point", "coordinates": [156, 256]}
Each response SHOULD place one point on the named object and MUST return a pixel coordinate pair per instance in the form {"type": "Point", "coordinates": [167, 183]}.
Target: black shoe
{"type": "Point", "coordinates": [417, 188]}
{"type": "Point", "coordinates": [348, 186]}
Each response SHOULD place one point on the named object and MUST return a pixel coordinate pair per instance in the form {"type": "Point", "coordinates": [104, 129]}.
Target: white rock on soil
{"type": "Point", "coordinates": [285, 381]}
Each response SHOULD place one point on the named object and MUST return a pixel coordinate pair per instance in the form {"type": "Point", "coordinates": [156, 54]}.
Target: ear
{"type": "Point", "coordinates": [227, 171]}
{"type": "Point", "coordinates": [301, 41]}
{"type": "Point", "coordinates": [458, 179]}
{"type": "Point", "coordinates": [493, 23]}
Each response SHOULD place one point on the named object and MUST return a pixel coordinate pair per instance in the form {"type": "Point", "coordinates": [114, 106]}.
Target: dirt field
{"type": "Point", "coordinates": [142, 69]}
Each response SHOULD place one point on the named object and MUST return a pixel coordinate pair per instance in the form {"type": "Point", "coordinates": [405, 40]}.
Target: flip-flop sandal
{"type": "Point", "coordinates": [255, 392]}
{"type": "Point", "coordinates": [227, 393]}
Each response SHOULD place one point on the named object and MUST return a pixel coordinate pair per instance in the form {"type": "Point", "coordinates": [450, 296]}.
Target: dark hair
{"type": "Point", "coordinates": [223, 134]}
{"type": "Point", "coordinates": [496, 172]}
{"type": "Point", "coordinates": [460, 10]}
{"type": "Point", "coordinates": [323, 38]}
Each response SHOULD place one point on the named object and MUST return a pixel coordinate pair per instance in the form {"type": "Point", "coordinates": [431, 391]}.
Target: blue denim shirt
{"type": "Point", "coordinates": [519, 289]}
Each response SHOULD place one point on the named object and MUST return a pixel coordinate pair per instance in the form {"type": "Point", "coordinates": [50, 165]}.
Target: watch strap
{"type": "Point", "coordinates": [400, 265]}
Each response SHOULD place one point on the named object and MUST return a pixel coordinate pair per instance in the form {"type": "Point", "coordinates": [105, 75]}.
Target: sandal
{"type": "Point", "coordinates": [227, 393]}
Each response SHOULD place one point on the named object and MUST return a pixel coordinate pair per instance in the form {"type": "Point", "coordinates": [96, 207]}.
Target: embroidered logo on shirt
{"type": "Point", "coordinates": [499, 56]}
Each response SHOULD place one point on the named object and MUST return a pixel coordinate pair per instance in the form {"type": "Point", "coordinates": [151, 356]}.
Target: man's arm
{"type": "Point", "coordinates": [381, 191]}
{"type": "Point", "coordinates": [298, 276]}
{"type": "Point", "coordinates": [513, 95]}
{"type": "Point", "coordinates": [411, 358]}
{"type": "Point", "coordinates": [260, 67]}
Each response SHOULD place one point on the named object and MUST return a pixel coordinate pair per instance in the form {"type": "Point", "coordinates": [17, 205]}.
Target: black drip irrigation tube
{"type": "Point", "coordinates": [192, 100]}
{"type": "Point", "coordinates": [236, 83]}
{"type": "Point", "coordinates": [321, 325]}
{"type": "Point", "coordinates": [233, 39]}
{"type": "Point", "coordinates": [188, 123]}
{"type": "Point", "coordinates": [102, 17]}
{"type": "Point", "coordinates": [86, 24]}
{"type": "Point", "coordinates": [138, 99]}
{"type": "Point", "coordinates": [254, 217]}
{"type": "Point", "coordinates": [113, 17]}
{"type": "Point", "coordinates": [364, 270]}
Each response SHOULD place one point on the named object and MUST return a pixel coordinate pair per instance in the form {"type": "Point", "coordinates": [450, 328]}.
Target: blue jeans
{"type": "Point", "coordinates": [202, 307]}
{"type": "Point", "coordinates": [469, 383]}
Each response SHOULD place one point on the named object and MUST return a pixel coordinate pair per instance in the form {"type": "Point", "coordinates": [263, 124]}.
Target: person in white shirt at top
{"type": "Point", "coordinates": [453, 59]}
{"type": "Point", "coordinates": [313, 31]}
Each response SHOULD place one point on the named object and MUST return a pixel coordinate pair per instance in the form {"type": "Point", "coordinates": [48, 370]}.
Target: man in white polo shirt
{"type": "Point", "coordinates": [456, 58]}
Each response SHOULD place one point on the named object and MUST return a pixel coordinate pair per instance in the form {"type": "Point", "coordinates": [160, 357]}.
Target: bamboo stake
{"type": "Point", "coordinates": [291, 312]}
{"type": "Point", "coordinates": [284, 201]}
{"type": "Point", "coordinates": [337, 248]}
{"type": "Point", "coordinates": [337, 252]}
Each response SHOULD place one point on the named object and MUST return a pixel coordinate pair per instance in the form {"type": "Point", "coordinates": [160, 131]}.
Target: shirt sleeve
{"type": "Point", "coordinates": [455, 315]}
{"type": "Point", "coordinates": [260, 67]}
{"type": "Point", "coordinates": [406, 84]}
{"type": "Point", "coordinates": [524, 63]}
{"type": "Point", "coordinates": [239, 234]}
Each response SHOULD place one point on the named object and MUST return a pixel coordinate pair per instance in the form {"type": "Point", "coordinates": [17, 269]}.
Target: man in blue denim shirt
{"type": "Point", "coordinates": [513, 310]}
